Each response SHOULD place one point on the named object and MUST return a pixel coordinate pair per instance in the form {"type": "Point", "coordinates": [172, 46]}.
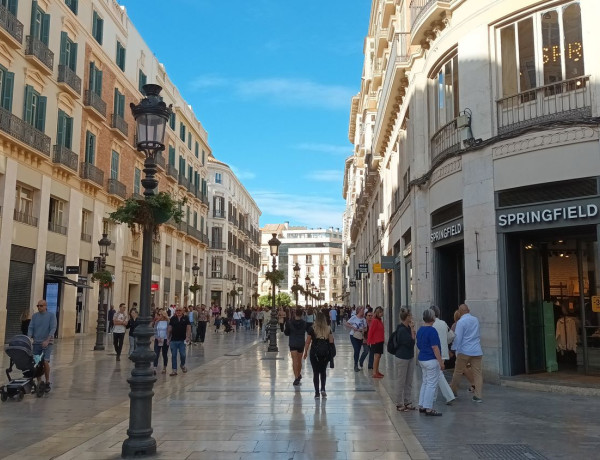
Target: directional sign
{"type": "Point", "coordinates": [363, 268]}
{"type": "Point", "coordinates": [596, 304]}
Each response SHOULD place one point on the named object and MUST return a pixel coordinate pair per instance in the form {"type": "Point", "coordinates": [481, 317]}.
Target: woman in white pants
{"type": "Point", "coordinates": [430, 360]}
{"type": "Point", "coordinates": [443, 332]}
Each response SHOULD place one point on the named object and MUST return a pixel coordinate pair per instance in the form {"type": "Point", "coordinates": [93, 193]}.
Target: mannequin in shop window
{"type": "Point", "coordinates": [566, 335]}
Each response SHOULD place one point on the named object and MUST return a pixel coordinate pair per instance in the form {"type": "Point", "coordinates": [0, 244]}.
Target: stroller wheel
{"type": "Point", "coordinates": [3, 396]}
{"type": "Point", "coordinates": [21, 394]}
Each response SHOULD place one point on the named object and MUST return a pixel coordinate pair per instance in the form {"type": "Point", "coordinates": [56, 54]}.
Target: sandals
{"type": "Point", "coordinates": [433, 412]}
{"type": "Point", "coordinates": [172, 374]}
{"type": "Point", "coordinates": [405, 407]}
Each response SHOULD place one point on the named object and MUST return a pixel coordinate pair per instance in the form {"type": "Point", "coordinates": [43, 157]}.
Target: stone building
{"type": "Point", "coordinates": [68, 72]}
{"type": "Point", "coordinates": [474, 176]}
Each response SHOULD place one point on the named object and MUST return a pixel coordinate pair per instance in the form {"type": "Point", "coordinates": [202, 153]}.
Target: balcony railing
{"type": "Point", "coordinates": [118, 122]}
{"type": "Point", "coordinates": [64, 156]}
{"type": "Point", "coordinates": [172, 171]}
{"type": "Point", "coordinates": [155, 260]}
{"type": "Point", "coordinates": [566, 100]}
{"type": "Point", "coordinates": [167, 263]}
{"type": "Point", "coordinates": [68, 76]}
{"type": "Point", "coordinates": [11, 24]}
{"type": "Point", "coordinates": [57, 228]}
{"type": "Point", "coordinates": [90, 172]}
{"type": "Point", "coordinates": [217, 245]}
{"type": "Point", "coordinates": [219, 213]}
{"type": "Point", "coordinates": [177, 266]}
{"type": "Point", "coordinates": [115, 187]}
{"type": "Point", "coordinates": [446, 140]}
{"type": "Point", "coordinates": [217, 275]}
{"type": "Point", "coordinates": [25, 218]}
{"type": "Point", "coordinates": [92, 99]}
{"type": "Point", "coordinates": [36, 47]}
{"type": "Point", "coordinates": [183, 181]}
{"type": "Point", "coordinates": [86, 237]}
{"type": "Point", "coordinates": [24, 132]}
{"type": "Point", "coordinates": [417, 9]}
{"type": "Point", "coordinates": [160, 161]}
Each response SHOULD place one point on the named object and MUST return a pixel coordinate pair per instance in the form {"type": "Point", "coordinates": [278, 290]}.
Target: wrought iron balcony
{"type": "Point", "coordinates": [219, 245]}
{"type": "Point", "coordinates": [167, 263]}
{"type": "Point", "coordinates": [183, 181]}
{"type": "Point", "coordinates": [56, 228]}
{"type": "Point", "coordinates": [24, 132]}
{"type": "Point", "coordinates": [69, 78]}
{"type": "Point", "coordinates": [172, 171]}
{"type": "Point", "coordinates": [566, 100]}
{"type": "Point", "coordinates": [66, 157]}
{"type": "Point", "coordinates": [37, 48]}
{"type": "Point", "coordinates": [160, 161]}
{"type": "Point", "coordinates": [219, 213]}
{"type": "Point", "coordinates": [115, 187]}
{"type": "Point", "coordinates": [119, 123]}
{"type": "Point", "coordinates": [90, 172]}
{"type": "Point", "coordinates": [25, 218]}
{"type": "Point", "coordinates": [86, 237]}
{"type": "Point", "coordinates": [93, 100]}
{"type": "Point", "coordinates": [446, 140]}
{"type": "Point", "coordinates": [11, 24]}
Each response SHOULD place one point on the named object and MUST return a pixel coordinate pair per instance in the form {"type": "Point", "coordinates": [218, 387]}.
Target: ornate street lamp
{"type": "Point", "coordinates": [151, 116]}
{"type": "Point", "coordinates": [255, 295]}
{"type": "Point", "coordinates": [104, 244]}
{"type": "Point", "coordinates": [312, 290]}
{"type": "Point", "coordinates": [234, 290]}
{"type": "Point", "coordinates": [195, 287]}
{"type": "Point", "coordinates": [306, 291]}
{"type": "Point", "coordinates": [274, 246]}
{"type": "Point", "coordinates": [296, 276]}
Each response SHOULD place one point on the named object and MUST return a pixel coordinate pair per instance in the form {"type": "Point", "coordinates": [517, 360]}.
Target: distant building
{"type": "Point", "coordinates": [318, 253]}
{"type": "Point", "coordinates": [233, 252]}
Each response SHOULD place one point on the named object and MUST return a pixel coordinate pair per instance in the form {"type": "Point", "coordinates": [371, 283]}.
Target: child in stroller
{"type": "Point", "coordinates": [20, 352]}
{"type": "Point", "coordinates": [226, 324]}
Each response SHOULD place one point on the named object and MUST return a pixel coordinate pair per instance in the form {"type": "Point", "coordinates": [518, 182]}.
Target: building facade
{"type": "Point", "coordinates": [474, 176]}
{"type": "Point", "coordinates": [233, 252]}
{"type": "Point", "coordinates": [318, 253]}
{"type": "Point", "coordinates": [68, 72]}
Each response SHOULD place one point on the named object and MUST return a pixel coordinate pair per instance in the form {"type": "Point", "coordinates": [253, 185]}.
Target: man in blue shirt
{"type": "Point", "coordinates": [467, 345]}
{"type": "Point", "coordinates": [41, 329]}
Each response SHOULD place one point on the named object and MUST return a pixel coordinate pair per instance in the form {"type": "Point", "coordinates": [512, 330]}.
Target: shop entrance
{"type": "Point", "coordinates": [450, 279]}
{"type": "Point", "coordinates": [553, 325]}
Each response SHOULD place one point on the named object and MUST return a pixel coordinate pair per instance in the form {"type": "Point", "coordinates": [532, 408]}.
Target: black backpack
{"type": "Point", "coordinates": [392, 345]}
{"type": "Point", "coordinates": [320, 349]}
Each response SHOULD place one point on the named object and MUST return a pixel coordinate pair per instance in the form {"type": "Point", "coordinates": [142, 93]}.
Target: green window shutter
{"type": "Point", "coordinates": [7, 90]}
{"type": "Point", "coordinates": [203, 157]}
{"type": "Point", "coordinates": [171, 155]}
{"type": "Point", "coordinates": [94, 24]}
{"type": "Point", "coordinates": [73, 57]}
{"type": "Point", "coordinates": [201, 223]}
{"type": "Point", "coordinates": [90, 148]}
{"type": "Point", "coordinates": [100, 29]}
{"type": "Point", "coordinates": [60, 131]}
{"type": "Point", "coordinates": [190, 172]}
{"type": "Point", "coordinates": [63, 49]}
{"type": "Point", "coordinates": [74, 6]}
{"type": "Point", "coordinates": [34, 25]}
{"type": "Point", "coordinates": [196, 149]}
{"type": "Point", "coordinates": [98, 82]}
{"type": "Point", "coordinates": [68, 132]}
{"type": "Point", "coordinates": [12, 6]}
{"type": "Point", "coordinates": [40, 122]}
{"type": "Point", "coordinates": [45, 35]}
{"type": "Point", "coordinates": [116, 102]}
{"type": "Point", "coordinates": [172, 121]}
{"type": "Point", "coordinates": [122, 105]}
{"type": "Point", "coordinates": [92, 79]}
{"type": "Point", "coordinates": [27, 108]}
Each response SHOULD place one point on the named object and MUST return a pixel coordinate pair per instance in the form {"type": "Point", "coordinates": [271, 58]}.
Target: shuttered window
{"type": "Point", "coordinates": [68, 52]}
{"type": "Point", "coordinates": [64, 134]}
{"type": "Point", "coordinates": [97, 27]}
{"type": "Point", "coordinates": [34, 111]}
{"type": "Point", "coordinates": [95, 82]}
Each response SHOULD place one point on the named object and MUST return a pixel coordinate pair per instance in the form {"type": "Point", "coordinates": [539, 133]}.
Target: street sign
{"type": "Point", "coordinates": [596, 303]}
{"type": "Point", "coordinates": [363, 268]}
{"type": "Point", "coordinates": [377, 268]}
{"type": "Point", "coordinates": [72, 270]}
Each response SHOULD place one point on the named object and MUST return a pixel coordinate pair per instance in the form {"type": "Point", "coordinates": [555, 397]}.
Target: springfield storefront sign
{"type": "Point", "coordinates": [564, 214]}
{"type": "Point", "coordinates": [447, 232]}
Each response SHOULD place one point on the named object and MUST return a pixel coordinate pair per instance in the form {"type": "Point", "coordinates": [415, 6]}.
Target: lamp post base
{"type": "Point", "coordinates": [136, 448]}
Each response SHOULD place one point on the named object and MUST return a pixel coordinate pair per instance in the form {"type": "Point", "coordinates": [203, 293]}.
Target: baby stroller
{"type": "Point", "coordinates": [20, 352]}
{"type": "Point", "coordinates": [227, 325]}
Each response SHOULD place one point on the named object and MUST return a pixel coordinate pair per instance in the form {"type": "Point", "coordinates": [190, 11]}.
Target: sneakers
{"type": "Point", "coordinates": [296, 382]}
{"type": "Point", "coordinates": [47, 387]}
{"type": "Point", "coordinates": [476, 399]}
{"type": "Point", "coordinates": [317, 396]}
{"type": "Point", "coordinates": [184, 369]}
{"type": "Point", "coordinates": [323, 394]}
{"type": "Point", "coordinates": [356, 369]}
{"type": "Point", "coordinates": [118, 358]}
{"type": "Point", "coordinates": [300, 377]}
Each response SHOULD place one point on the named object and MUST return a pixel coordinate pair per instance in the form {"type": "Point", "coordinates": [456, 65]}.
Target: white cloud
{"type": "Point", "coordinates": [325, 148]}
{"type": "Point", "coordinates": [241, 174]}
{"type": "Point", "coordinates": [326, 175]}
{"type": "Point", "coordinates": [301, 209]}
{"type": "Point", "coordinates": [282, 91]}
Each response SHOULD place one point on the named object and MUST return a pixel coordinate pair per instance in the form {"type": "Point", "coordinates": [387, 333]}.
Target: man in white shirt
{"type": "Point", "coordinates": [120, 322]}
{"type": "Point", "coordinates": [442, 329]}
{"type": "Point", "coordinates": [467, 345]}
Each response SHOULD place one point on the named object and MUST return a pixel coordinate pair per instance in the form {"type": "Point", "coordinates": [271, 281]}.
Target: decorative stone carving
{"type": "Point", "coordinates": [448, 168]}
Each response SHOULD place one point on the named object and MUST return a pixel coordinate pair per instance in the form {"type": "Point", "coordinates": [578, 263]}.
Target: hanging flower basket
{"type": "Point", "coordinates": [104, 277]}
{"type": "Point", "coordinates": [194, 288]}
{"type": "Point", "coordinates": [154, 210]}
{"type": "Point", "coordinates": [297, 288]}
{"type": "Point", "coordinates": [275, 276]}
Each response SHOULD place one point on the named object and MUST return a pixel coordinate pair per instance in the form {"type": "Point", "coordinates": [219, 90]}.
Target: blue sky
{"type": "Point", "coordinates": [271, 81]}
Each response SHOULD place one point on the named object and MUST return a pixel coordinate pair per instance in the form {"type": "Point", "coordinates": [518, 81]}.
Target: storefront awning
{"type": "Point", "coordinates": [65, 280]}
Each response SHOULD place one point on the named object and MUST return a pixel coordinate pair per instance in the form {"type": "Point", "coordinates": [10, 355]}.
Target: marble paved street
{"type": "Point", "coordinates": [236, 402]}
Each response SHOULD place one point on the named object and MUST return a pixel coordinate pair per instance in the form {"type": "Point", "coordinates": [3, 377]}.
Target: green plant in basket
{"type": "Point", "coordinates": [154, 210]}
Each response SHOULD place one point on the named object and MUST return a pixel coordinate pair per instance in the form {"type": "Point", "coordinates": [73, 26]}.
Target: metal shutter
{"type": "Point", "coordinates": [18, 296]}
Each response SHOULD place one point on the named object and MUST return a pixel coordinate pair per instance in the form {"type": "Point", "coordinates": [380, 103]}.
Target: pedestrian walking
{"type": "Point", "coordinates": [375, 339]}
{"type": "Point", "coordinates": [161, 339]}
{"type": "Point", "coordinates": [319, 341]}
{"type": "Point", "coordinates": [333, 317]}
{"type": "Point", "coordinates": [430, 360]}
{"type": "Point", "coordinates": [443, 330]}
{"type": "Point", "coordinates": [193, 318]}
{"type": "Point", "coordinates": [261, 318]}
{"type": "Point", "coordinates": [467, 345]}
{"type": "Point", "coordinates": [41, 330]}
{"type": "Point", "coordinates": [281, 318]}
{"type": "Point", "coordinates": [120, 320]}
{"type": "Point", "coordinates": [202, 323]}
{"type": "Point", "coordinates": [366, 348]}
{"type": "Point", "coordinates": [179, 335]}
{"type": "Point", "coordinates": [310, 316]}
{"type": "Point", "coordinates": [405, 353]}
{"type": "Point", "coordinates": [358, 326]}
{"type": "Point", "coordinates": [25, 320]}
{"type": "Point", "coordinates": [111, 315]}
{"type": "Point", "coordinates": [131, 325]}
{"type": "Point", "coordinates": [296, 329]}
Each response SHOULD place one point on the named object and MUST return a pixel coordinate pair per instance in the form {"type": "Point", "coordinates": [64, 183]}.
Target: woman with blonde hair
{"type": "Point", "coordinates": [319, 341]}
{"type": "Point", "coordinates": [161, 341]}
